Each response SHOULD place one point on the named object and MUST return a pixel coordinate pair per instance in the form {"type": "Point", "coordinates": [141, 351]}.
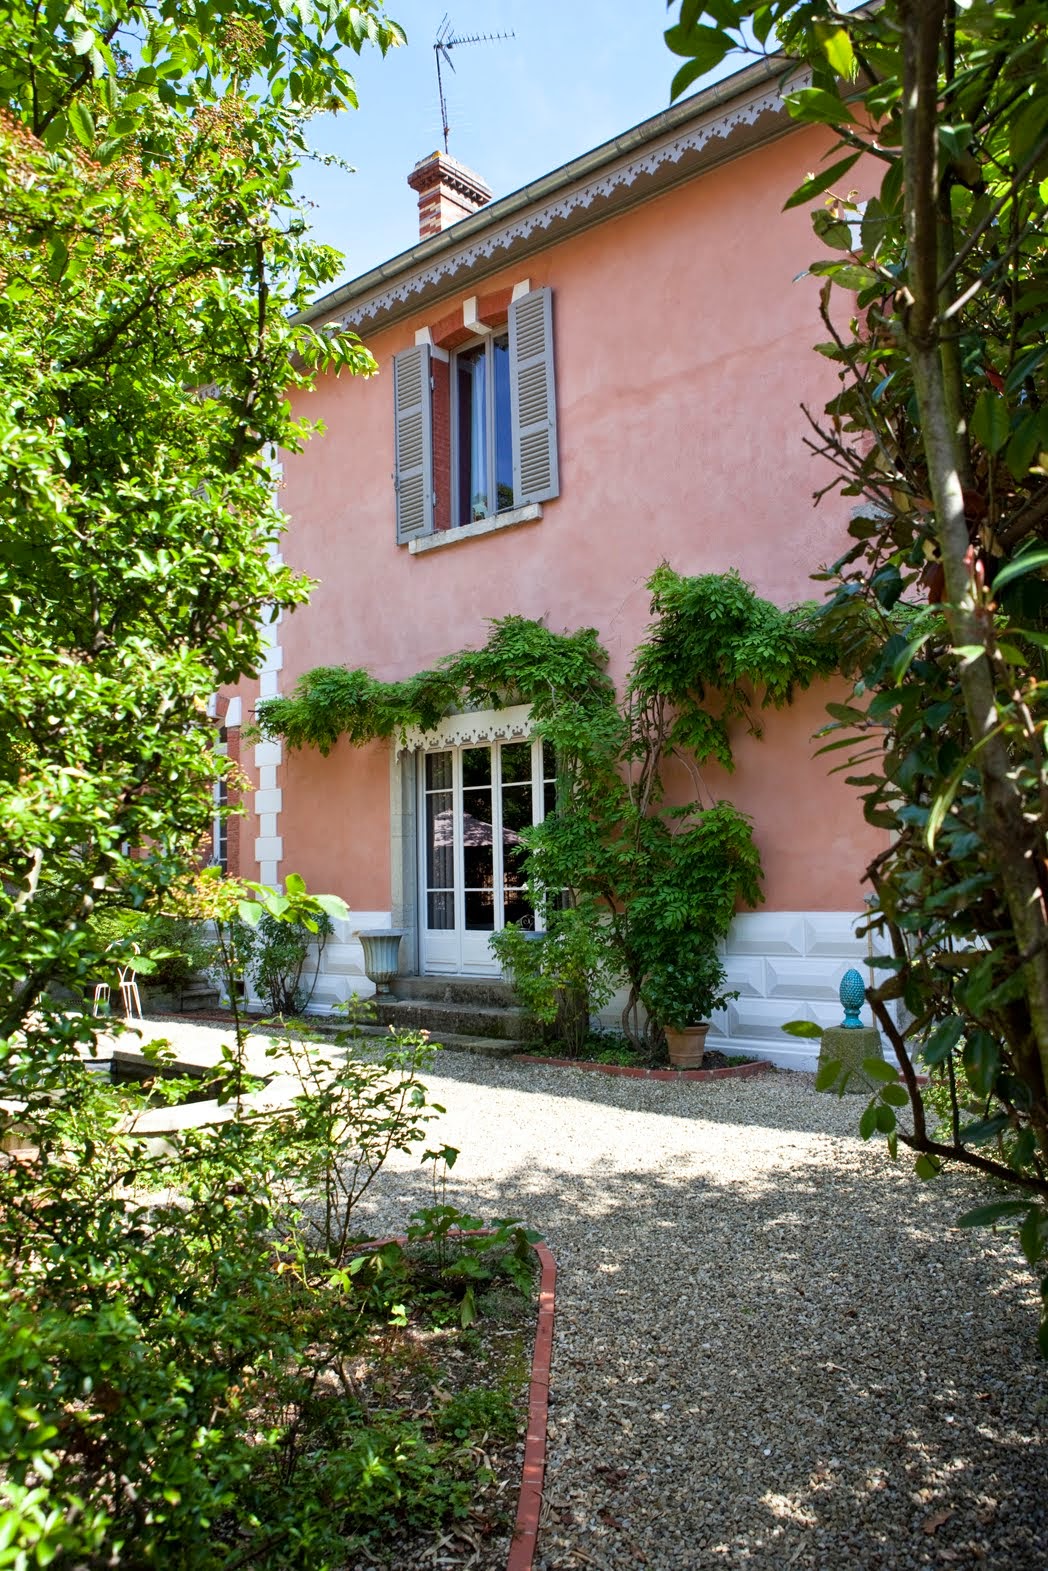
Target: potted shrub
{"type": "Point", "coordinates": [682, 988]}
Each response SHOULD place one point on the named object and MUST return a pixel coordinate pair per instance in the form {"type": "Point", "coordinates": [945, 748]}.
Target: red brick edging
{"type": "Point", "coordinates": [759, 1066]}
{"type": "Point", "coordinates": [529, 1504]}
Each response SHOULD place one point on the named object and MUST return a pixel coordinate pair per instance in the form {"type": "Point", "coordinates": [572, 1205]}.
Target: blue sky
{"type": "Point", "coordinates": [574, 75]}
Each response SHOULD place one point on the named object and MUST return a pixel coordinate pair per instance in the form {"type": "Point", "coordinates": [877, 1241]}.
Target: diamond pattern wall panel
{"type": "Point", "coordinates": [767, 933]}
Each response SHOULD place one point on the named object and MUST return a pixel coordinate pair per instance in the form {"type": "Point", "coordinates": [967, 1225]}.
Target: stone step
{"type": "Point", "coordinates": [482, 1046]}
{"type": "Point", "coordinates": [198, 996]}
{"type": "Point", "coordinates": [505, 1023]}
{"type": "Point", "coordinates": [480, 990]}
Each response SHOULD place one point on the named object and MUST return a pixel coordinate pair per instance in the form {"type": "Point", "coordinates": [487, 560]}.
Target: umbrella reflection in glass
{"type": "Point", "coordinates": [478, 840]}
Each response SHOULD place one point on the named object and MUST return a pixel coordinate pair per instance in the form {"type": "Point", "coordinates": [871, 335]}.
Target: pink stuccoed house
{"type": "Point", "coordinates": [577, 380]}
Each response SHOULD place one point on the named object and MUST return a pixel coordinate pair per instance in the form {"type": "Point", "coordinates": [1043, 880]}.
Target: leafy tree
{"type": "Point", "coordinates": [659, 883]}
{"type": "Point", "coordinates": [151, 259]}
{"type": "Point", "coordinates": [934, 309]}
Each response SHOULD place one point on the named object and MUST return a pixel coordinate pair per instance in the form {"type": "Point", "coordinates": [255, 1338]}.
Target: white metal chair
{"type": "Point", "coordinates": [100, 1004]}
{"type": "Point", "coordinates": [130, 1002]}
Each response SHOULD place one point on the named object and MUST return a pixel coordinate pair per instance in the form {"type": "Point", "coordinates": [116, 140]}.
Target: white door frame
{"type": "Point", "coordinates": [460, 951]}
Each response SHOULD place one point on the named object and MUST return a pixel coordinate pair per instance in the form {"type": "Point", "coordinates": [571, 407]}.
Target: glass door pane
{"type": "Point", "coordinates": [518, 813]}
{"type": "Point", "coordinates": [478, 840]}
{"type": "Point", "coordinates": [440, 842]}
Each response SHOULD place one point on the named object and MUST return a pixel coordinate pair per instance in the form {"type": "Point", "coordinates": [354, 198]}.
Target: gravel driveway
{"type": "Point", "coordinates": [772, 1349]}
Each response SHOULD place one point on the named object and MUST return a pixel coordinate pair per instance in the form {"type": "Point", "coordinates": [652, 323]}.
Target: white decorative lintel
{"type": "Point", "coordinates": [473, 726]}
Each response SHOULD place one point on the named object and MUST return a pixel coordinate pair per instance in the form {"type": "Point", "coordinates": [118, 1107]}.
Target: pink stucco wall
{"type": "Point", "coordinates": [335, 823]}
{"type": "Point", "coordinates": [683, 352]}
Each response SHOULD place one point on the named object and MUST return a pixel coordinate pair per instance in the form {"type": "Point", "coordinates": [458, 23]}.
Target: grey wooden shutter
{"type": "Point", "coordinates": [533, 400]}
{"type": "Point", "coordinates": [413, 444]}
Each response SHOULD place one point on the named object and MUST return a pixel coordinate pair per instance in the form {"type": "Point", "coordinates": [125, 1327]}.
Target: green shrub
{"type": "Point", "coordinates": [279, 964]}
{"type": "Point", "coordinates": [170, 1318]}
{"type": "Point", "coordinates": [168, 950]}
{"type": "Point", "coordinates": [561, 974]}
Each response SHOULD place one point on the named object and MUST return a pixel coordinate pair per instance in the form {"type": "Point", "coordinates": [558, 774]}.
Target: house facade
{"type": "Point", "coordinates": [596, 373]}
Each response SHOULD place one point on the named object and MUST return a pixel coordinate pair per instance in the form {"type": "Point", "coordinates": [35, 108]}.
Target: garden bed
{"type": "Point", "coordinates": [449, 1422]}
{"type": "Point", "coordinates": [500, 1530]}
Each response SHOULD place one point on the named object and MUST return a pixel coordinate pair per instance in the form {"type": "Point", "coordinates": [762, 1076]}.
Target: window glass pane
{"type": "Point", "coordinates": [549, 799]}
{"type": "Point", "coordinates": [462, 458]}
{"type": "Point", "coordinates": [438, 771]}
{"type": "Point", "coordinates": [514, 857]}
{"type": "Point", "coordinates": [480, 502]}
{"type": "Point", "coordinates": [440, 910]}
{"type": "Point", "coordinates": [440, 844]}
{"type": "Point", "coordinates": [549, 763]}
{"type": "Point", "coordinates": [476, 766]}
{"type": "Point", "coordinates": [471, 381]}
{"type": "Point", "coordinates": [516, 810]}
{"type": "Point", "coordinates": [503, 436]}
{"type": "Point", "coordinates": [478, 862]}
{"type": "Point", "coordinates": [516, 761]}
{"type": "Point", "coordinates": [516, 907]}
{"type": "Point", "coordinates": [480, 910]}
{"type": "Point", "coordinates": [478, 843]}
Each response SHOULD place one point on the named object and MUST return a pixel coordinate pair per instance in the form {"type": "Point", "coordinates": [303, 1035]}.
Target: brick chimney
{"type": "Point", "coordinates": [447, 191]}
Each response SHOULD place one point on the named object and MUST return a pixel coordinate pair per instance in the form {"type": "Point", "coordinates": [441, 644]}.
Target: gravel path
{"type": "Point", "coordinates": [772, 1349]}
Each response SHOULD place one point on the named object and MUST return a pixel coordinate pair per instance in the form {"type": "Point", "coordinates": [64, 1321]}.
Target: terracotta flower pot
{"type": "Point", "coordinates": [687, 1047]}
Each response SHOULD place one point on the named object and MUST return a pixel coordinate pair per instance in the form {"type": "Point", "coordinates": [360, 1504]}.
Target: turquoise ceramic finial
{"type": "Point", "coordinates": [853, 996]}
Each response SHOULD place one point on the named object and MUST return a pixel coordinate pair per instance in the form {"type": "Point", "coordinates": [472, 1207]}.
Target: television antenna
{"type": "Point", "coordinates": [446, 41]}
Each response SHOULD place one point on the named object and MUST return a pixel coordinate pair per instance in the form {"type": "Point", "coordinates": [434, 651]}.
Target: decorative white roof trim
{"type": "Point", "coordinates": [475, 726]}
{"type": "Point", "coordinates": [670, 151]}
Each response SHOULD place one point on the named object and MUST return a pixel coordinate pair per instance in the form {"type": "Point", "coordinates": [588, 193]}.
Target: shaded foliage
{"type": "Point", "coordinates": [933, 311]}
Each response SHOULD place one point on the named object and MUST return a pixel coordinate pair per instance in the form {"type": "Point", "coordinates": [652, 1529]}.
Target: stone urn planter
{"type": "Point", "coordinates": [381, 948]}
{"type": "Point", "coordinates": [686, 1046]}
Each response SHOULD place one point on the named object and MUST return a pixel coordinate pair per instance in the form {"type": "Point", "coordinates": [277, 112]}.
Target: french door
{"type": "Point", "coordinates": [475, 801]}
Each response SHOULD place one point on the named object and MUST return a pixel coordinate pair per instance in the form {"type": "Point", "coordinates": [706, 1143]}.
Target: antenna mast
{"type": "Point", "coordinates": [444, 44]}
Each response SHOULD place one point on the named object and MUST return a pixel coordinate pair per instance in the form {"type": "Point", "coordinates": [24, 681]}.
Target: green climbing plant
{"type": "Point", "coordinates": [642, 886]}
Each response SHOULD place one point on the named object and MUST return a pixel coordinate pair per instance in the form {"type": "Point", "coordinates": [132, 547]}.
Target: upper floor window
{"type": "Point", "coordinates": [481, 431]}
{"type": "Point", "coordinates": [476, 430]}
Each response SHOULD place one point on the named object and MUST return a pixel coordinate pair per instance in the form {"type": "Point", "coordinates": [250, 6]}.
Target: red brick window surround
{"type": "Point", "coordinates": [475, 416]}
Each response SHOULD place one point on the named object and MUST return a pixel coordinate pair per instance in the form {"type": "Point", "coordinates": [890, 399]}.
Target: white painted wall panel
{"type": "Point", "coordinates": [807, 978]}
{"type": "Point", "coordinates": [832, 934]}
{"type": "Point", "coordinates": [767, 933]}
{"type": "Point", "coordinates": [746, 975]}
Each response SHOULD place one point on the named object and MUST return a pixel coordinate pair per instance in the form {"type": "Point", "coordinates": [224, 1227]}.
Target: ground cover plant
{"type": "Point", "coordinates": [932, 205]}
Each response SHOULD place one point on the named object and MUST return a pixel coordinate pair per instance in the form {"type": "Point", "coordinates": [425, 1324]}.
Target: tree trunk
{"type": "Point", "coordinates": [1013, 842]}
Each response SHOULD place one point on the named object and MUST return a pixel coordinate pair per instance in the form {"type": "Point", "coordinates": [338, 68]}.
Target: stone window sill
{"type": "Point", "coordinates": [484, 526]}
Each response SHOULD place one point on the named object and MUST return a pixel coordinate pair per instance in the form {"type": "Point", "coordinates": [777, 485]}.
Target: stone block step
{"type": "Point", "coordinates": [480, 990]}
{"type": "Point", "coordinates": [459, 1019]}
{"type": "Point", "coordinates": [198, 996]}
{"type": "Point", "coordinates": [482, 1046]}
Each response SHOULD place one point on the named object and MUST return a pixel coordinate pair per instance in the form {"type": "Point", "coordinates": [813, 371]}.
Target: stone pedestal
{"type": "Point", "coordinates": [848, 1046]}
